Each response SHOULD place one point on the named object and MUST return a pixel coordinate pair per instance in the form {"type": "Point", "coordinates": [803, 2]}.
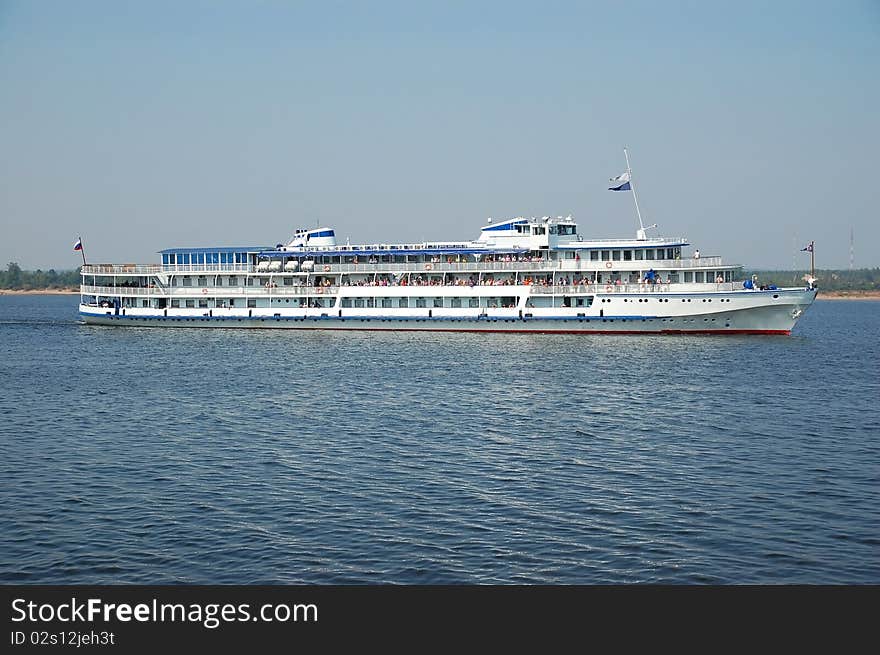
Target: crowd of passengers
{"type": "Point", "coordinates": [487, 280]}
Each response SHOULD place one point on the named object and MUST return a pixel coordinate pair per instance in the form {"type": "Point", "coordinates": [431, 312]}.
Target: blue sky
{"type": "Point", "coordinates": [752, 126]}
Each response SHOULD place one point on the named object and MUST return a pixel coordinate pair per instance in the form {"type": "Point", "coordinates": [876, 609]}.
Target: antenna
{"type": "Point", "coordinates": [851, 250]}
{"type": "Point", "coordinates": [640, 233]}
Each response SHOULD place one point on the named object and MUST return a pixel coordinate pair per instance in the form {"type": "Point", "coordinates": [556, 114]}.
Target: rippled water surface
{"type": "Point", "coordinates": [155, 455]}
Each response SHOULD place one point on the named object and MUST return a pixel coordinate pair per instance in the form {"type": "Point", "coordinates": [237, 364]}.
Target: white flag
{"type": "Point", "coordinates": [623, 177]}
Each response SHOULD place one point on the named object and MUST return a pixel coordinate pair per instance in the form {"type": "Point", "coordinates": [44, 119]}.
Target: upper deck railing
{"type": "Point", "coordinates": [319, 268]}
{"type": "Point", "coordinates": [411, 290]}
{"type": "Point", "coordinates": [121, 269]}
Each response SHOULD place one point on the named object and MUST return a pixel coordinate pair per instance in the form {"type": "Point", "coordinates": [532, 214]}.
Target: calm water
{"type": "Point", "coordinates": [224, 456]}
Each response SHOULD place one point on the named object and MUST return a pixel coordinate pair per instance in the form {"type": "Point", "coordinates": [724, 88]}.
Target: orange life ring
{"type": "Point", "coordinates": [609, 289]}
{"type": "Point", "coordinates": [428, 267]}
{"type": "Point", "coordinates": [609, 264]}
{"type": "Point", "coordinates": [204, 291]}
{"type": "Point", "coordinates": [326, 268]}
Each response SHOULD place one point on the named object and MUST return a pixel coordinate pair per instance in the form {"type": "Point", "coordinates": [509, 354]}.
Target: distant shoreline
{"type": "Point", "coordinates": [823, 295]}
{"type": "Point", "coordinates": [39, 292]}
{"type": "Point", "coordinates": [848, 295]}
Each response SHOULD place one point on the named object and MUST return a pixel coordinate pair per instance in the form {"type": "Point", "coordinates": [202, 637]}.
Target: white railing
{"type": "Point", "coordinates": [414, 290]}
{"type": "Point", "coordinates": [504, 266]}
{"type": "Point", "coordinates": [120, 291]}
{"type": "Point", "coordinates": [567, 265]}
{"type": "Point", "coordinates": [121, 269]}
{"type": "Point", "coordinates": [208, 268]}
{"type": "Point", "coordinates": [675, 287]}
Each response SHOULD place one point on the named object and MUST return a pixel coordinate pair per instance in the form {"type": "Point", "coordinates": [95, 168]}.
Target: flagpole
{"type": "Point", "coordinates": [812, 259]}
{"type": "Point", "coordinates": [633, 187]}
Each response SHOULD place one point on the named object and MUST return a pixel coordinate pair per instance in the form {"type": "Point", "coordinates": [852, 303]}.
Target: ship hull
{"type": "Point", "coordinates": [753, 314]}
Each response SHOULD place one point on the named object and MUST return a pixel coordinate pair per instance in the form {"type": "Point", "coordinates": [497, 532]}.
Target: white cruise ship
{"type": "Point", "coordinates": [520, 275]}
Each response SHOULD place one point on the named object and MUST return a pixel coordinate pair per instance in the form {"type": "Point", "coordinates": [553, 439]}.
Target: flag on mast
{"type": "Point", "coordinates": [809, 247]}
{"type": "Point", "coordinates": [621, 182]}
{"type": "Point", "coordinates": [78, 245]}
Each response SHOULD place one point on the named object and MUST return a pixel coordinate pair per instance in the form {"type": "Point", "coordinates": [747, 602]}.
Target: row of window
{"type": "Point", "coordinates": [232, 280]}
{"type": "Point", "coordinates": [187, 258]}
{"type": "Point", "coordinates": [634, 255]}
{"type": "Point", "coordinates": [454, 302]}
{"type": "Point", "coordinates": [217, 258]}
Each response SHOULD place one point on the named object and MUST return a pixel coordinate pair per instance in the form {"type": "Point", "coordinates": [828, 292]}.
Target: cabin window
{"type": "Point", "coordinates": [386, 303]}
{"type": "Point", "coordinates": [233, 280]}
{"type": "Point", "coordinates": [640, 254]}
{"type": "Point", "coordinates": [403, 302]}
{"type": "Point", "coordinates": [420, 302]}
{"type": "Point", "coordinates": [371, 302]}
{"type": "Point", "coordinates": [145, 303]}
{"type": "Point", "coordinates": [649, 253]}
{"type": "Point", "coordinates": [688, 276]}
{"type": "Point", "coordinates": [165, 258]}
{"type": "Point", "coordinates": [698, 276]}
{"type": "Point", "coordinates": [186, 281]}
{"type": "Point", "coordinates": [203, 281]}
{"type": "Point", "coordinates": [203, 304]}
{"type": "Point", "coordinates": [594, 255]}
{"type": "Point", "coordinates": [455, 302]}
{"type": "Point", "coordinates": [287, 281]}
{"type": "Point", "coordinates": [627, 255]}
{"type": "Point", "coordinates": [175, 303]}
{"type": "Point", "coordinates": [473, 302]}
{"type": "Point", "coordinates": [358, 302]}
{"type": "Point", "coordinates": [252, 302]}
{"type": "Point", "coordinates": [438, 302]}
{"type": "Point", "coordinates": [615, 255]}
{"type": "Point", "coordinates": [215, 257]}
{"type": "Point", "coordinates": [606, 255]}
{"type": "Point", "coordinates": [190, 303]}
{"type": "Point", "coordinates": [346, 302]}
{"type": "Point", "coordinates": [219, 281]}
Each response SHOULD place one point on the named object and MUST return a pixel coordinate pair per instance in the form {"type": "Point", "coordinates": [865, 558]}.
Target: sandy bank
{"type": "Point", "coordinates": [38, 292]}
{"type": "Point", "coordinates": [848, 295]}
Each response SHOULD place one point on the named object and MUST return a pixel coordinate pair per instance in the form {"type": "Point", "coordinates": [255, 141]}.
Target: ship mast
{"type": "Point", "coordinates": [640, 235]}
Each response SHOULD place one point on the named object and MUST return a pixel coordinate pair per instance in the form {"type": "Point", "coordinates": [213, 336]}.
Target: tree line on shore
{"type": "Point", "coordinates": [861, 279]}
{"type": "Point", "coordinates": [16, 279]}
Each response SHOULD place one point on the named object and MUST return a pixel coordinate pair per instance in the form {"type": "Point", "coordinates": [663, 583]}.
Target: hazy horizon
{"type": "Point", "coordinates": [144, 126]}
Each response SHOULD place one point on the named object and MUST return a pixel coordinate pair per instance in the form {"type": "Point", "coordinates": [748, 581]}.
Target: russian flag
{"type": "Point", "coordinates": [78, 245]}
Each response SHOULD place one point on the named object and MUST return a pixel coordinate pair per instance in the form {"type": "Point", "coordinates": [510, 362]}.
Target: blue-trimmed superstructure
{"type": "Point", "coordinates": [519, 275]}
